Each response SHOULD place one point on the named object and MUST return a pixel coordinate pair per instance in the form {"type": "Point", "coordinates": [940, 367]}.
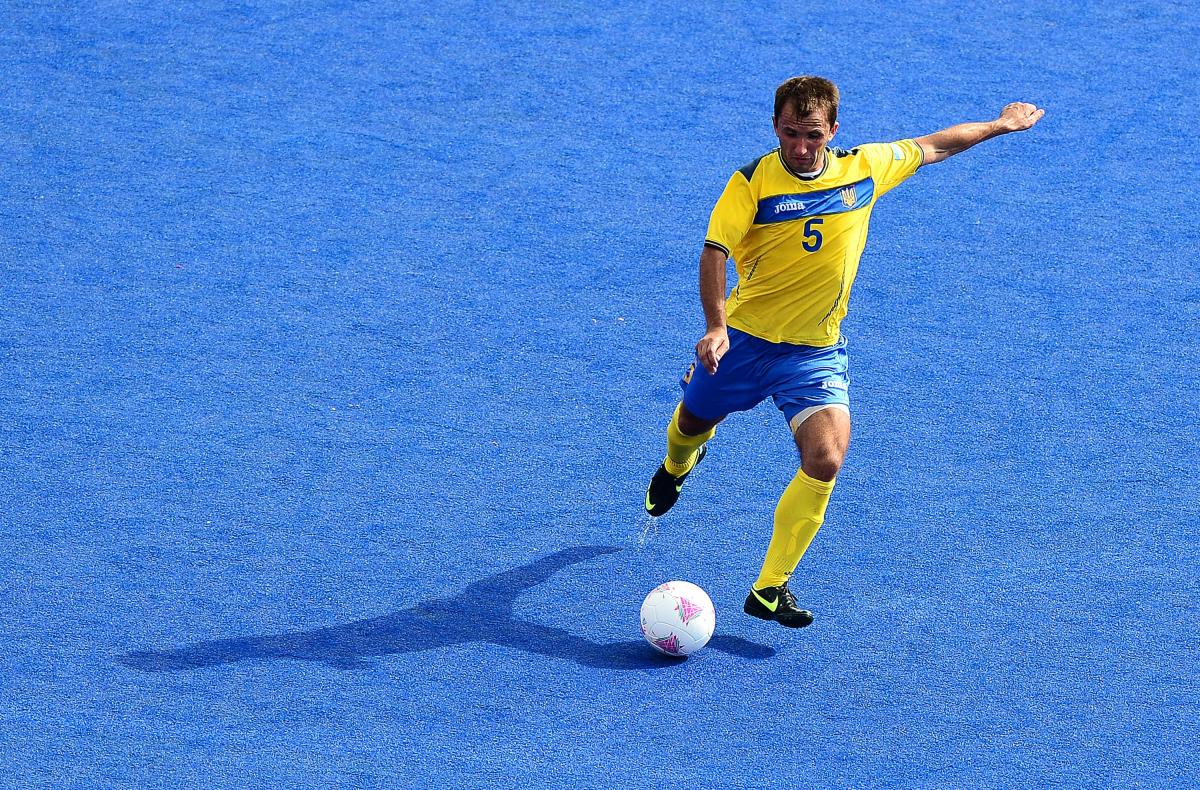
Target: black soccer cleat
{"type": "Point", "coordinates": [665, 487]}
{"type": "Point", "coordinates": [778, 604]}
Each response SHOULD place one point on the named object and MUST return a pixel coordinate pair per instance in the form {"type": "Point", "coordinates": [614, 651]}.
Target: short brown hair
{"type": "Point", "coordinates": [808, 94]}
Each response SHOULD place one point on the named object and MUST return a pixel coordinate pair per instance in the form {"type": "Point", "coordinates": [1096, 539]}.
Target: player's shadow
{"type": "Point", "coordinates": [483, 612]}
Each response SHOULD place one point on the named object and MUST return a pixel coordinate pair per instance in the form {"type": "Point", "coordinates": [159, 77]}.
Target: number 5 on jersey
{"type": "Point", "coordinates": [812, 236]}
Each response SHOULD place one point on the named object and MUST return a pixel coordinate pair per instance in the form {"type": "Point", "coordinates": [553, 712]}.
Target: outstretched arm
{"type": "Point", "coordinates": [1015, 117]}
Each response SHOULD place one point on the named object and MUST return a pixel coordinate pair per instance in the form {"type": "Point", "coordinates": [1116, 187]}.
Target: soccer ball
{"type": "Point", "coordinates": [678, 618]}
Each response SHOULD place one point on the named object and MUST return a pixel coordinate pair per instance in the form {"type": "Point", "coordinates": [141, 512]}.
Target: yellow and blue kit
{"type": "Point", "coordinates": [796, 241]}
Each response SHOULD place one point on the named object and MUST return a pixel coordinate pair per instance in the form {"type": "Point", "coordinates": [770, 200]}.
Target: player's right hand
{"type": "Point", "coordinates": [712, 347]}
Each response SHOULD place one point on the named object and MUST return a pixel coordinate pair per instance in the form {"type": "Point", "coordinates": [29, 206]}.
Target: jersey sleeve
{"type": "Point", "coordinates": [732, 216]}
{"type": "Point", "coordinates": [892, 163]}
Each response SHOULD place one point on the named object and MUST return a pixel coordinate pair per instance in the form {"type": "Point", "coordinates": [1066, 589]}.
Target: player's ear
{"type": "Point", "coordinates": [833, 130]}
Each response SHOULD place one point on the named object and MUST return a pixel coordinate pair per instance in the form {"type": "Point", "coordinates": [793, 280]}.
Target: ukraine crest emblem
{"type": "Point", "coordinates": [849, 196]}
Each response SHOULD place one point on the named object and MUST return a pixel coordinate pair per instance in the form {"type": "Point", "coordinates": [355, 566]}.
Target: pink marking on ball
{"type": "Point", "coordinates": [688, 610]}
{"type": "Point", "coordinates": [670, 644]}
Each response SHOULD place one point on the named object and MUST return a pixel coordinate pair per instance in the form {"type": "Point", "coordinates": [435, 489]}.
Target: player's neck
{"type": "Point", "coordinates": [810, 175]}
{"type": "Point", "coordinates": [820, 165]}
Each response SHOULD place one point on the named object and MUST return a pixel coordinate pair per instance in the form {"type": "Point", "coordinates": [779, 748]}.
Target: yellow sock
{"type": "Point", "coordinates": [798, 516]}
{"type": "Point", "coordinates": [681, 448]}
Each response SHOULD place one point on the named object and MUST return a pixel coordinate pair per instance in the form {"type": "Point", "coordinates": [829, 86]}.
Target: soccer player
{"type": "Point", "coordinates": [795, 223]}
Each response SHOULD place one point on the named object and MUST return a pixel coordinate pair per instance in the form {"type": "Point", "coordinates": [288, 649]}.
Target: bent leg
{"type": "Point", "coordinates": [707, 399]}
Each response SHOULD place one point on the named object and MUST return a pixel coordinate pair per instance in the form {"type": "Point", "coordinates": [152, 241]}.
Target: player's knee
{"type": "Point", "coordinates": [822, 465]}
{"type": "Point", "coordinates": [691, 425]}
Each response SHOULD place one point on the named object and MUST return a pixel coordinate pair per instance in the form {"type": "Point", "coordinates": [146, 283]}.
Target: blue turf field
{"type": "Point", "coordinates": [341, 337]}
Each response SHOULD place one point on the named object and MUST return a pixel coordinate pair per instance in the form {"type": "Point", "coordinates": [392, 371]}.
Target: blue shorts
{"type": "Point", "coordinates": [800, 379]}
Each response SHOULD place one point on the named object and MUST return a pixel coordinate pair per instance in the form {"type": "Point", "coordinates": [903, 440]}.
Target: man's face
{"type": "Point", "coordinates": [802, 138]}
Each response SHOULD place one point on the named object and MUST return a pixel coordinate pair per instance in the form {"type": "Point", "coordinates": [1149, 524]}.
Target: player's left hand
{"type": "Point", "coordinates": [1019, 116]}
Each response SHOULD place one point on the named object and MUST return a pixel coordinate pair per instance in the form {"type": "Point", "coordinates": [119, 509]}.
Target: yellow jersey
{"type": "Point", "coordinates": [796, 240]}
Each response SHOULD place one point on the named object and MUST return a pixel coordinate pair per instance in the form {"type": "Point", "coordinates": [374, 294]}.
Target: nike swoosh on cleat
{"type": "Point", "coordinates": [649, 504]}
{"type": "Point", "coordinates": [771, 605]}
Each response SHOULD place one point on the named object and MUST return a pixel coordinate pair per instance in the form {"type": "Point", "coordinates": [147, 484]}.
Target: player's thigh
{"type": "Point", "coordinates": [824, 434]}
